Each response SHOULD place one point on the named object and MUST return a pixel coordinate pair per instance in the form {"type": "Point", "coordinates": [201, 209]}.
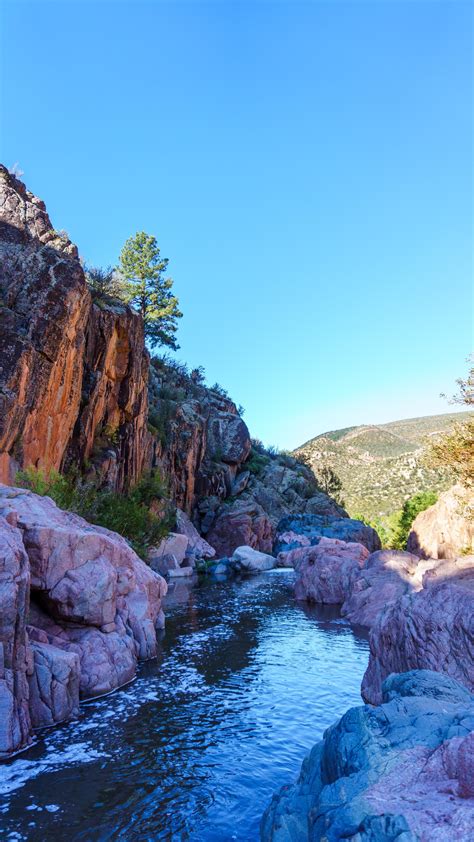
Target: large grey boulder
{"type": "Point", "coordinates": [314, 527]}
{"type": "Point", "coordinates": [252, 561]}
{"type": "Point", "coordinates": [402, 771]}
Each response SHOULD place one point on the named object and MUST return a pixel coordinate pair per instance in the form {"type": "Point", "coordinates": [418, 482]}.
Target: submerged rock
{"type": "Point", "coordinates": [399, 771]}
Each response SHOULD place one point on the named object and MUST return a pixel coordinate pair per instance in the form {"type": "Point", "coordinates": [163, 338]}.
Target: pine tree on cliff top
{"type": "Point", "coordinates": [147, 289]}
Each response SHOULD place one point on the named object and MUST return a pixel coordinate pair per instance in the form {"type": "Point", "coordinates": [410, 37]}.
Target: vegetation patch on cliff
{"type": "Point", "coordinates": [143, 515]}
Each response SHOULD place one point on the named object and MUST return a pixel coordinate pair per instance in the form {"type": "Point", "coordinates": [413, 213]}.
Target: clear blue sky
{"type": "Point", "coordinates": [306, 167]}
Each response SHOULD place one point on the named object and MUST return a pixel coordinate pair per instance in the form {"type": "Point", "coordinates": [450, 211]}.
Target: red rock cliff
{"type": "Point", "coordinates": [73, 376]}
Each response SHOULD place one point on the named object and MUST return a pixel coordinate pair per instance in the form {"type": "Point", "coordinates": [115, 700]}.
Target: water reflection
{"type": "Point", "coordinates": [246, 681]}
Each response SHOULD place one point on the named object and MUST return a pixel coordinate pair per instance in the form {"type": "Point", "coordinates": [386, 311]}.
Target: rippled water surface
{"type": "Point", "coordinates": [245, 684]}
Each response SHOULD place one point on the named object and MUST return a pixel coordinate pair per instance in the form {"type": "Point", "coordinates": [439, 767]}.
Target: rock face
{"type": "Point", "coordinates": [326, 572]}
{"type": "Point", "coordinates": [400, 771]}
{"type": "Point", "coordinates": [196, 545]}
{"type": "Point", "coordinates": [111, 428]}
{"type": "Point", "coordinates": [316, 526]}
{"type": "Point", "coordinates": [446, 529]}
{"type": "Point", "coordinates": [73, 376]}
{"type": "Point", "coordinates": [95, 607]}
{"type": "Point", "coordinates": [241, 523]}
{"type": "Point", "coordinates": [42, 333]}
{"type": "Point", "coordinates": [388, 575]}
{"type": "Point", "coordinates": [203, 440]}
{"type": "Point", "coordinates": [14, 655]}
{"type": "Point", "coordinates": [430, 629]}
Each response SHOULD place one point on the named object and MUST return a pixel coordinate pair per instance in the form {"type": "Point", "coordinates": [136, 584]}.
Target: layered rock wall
{"type": "Point", "coordinates": [73, 375]}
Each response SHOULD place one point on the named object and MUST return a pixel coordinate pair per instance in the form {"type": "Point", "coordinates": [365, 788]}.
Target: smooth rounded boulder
{"type": "Point", "coordinates": [252, 561]}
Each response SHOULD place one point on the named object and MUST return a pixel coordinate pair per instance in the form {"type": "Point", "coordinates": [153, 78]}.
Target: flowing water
{"type": "Point", "coordinates": [245, 683]}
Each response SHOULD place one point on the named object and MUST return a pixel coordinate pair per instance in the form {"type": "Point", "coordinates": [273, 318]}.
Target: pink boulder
{"type": "Point", "coordinates": [15, 723]}
{"type": "Point", "coordinates": [243, 523]}
{"type": "Point", "coordinates": [94, 612]}
{"type": "Point", "coordinates": [326, 572]}
{"type": "Point", "coordinates": [446, 529]}
{"type": "Point", "coordinates": [388, 575]}
{"type": "Point", "coordinates": [431, 629]}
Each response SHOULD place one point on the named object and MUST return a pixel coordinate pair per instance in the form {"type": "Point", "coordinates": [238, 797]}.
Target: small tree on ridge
{"type": "Point", "coordinates": [143, 270]}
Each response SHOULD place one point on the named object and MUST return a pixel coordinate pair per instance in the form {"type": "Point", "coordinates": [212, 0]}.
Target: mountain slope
{"type": "Point", "coordinates": [381, 465]}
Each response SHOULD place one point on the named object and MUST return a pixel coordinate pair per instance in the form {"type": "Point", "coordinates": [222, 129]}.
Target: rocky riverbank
{"type": "Point", "coordinates": [403, 770]}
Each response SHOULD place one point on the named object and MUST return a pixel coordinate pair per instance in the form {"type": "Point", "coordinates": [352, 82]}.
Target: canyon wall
{"type": "Point", "coordinates": [73, 376]}
{"type": "Point", "coordinates": [78, 391]}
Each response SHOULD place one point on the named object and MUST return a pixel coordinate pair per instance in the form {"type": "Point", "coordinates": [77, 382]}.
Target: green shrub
{"type": "Point", "coordinates": [128, 514]}
{"type": "Point", "coordinates": [256, 462]}
{"type": "Point", "coordinates": [411, 508]}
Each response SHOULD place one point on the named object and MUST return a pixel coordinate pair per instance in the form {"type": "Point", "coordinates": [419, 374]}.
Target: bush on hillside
{"type": "Point", "coordinates": [455, 450]}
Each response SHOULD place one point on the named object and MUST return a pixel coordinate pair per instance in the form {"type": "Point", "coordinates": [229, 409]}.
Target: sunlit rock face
{"type": "Point", "coordinates": [95, 607]}
{"type": "Point", "coordinates": [388, 575]}
{"type": "Point", "coordinates": [74, 376]}
{"type": "Point", "coordinates": [446, 529]}
{"type": "Point", "coordinates": [45, 307]}
{"type": "Point", "coordinates": [403, 770]}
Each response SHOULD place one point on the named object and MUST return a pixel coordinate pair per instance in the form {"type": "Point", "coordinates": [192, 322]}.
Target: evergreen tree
{"type": "Point", "coordinates": [143, 270]}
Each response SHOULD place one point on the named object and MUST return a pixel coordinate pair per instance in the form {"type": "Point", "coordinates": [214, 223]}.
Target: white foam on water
{"type": "Point", "coordinates": [19, 772]}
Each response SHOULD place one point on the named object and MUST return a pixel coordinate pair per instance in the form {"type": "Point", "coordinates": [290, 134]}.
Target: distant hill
{"type": "Point", "coordinates": [381, 465]}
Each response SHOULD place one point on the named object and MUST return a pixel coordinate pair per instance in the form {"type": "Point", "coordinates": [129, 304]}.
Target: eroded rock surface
{"type": "Point", "coordinates": [43, 317]}
{"type": "Point", "coordinates": [241, 523]}
{"type": "Point", "coordinates": [316, 526]}
{"type": "Point", "coordinates": [14, 656]}
{"type": "Point", "coordinates": [399, 771]}
{"type": "Point", "coordinates": [388, 575]}
{"type": "Point", "coordinates": [327, 571]}
{"type": "Point", "coordinates": [95, 610]}
{"type": "Point", "coordinates": [73, 375]}
{"type": "Point", "coordinates": [429, 629]}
